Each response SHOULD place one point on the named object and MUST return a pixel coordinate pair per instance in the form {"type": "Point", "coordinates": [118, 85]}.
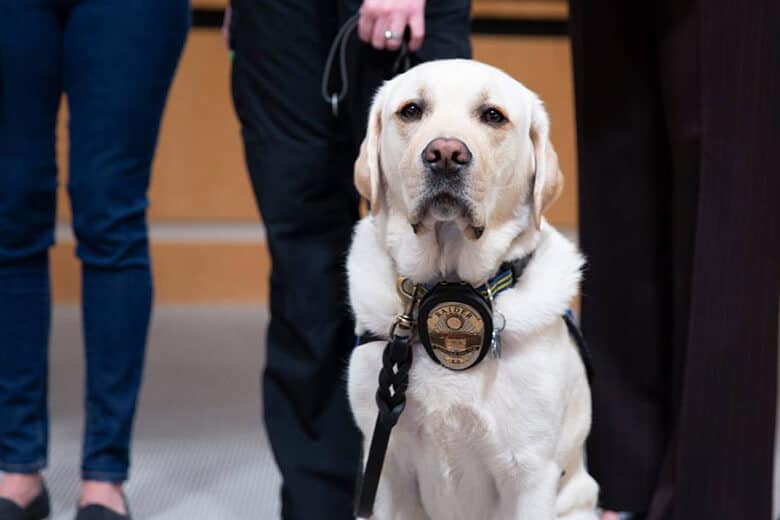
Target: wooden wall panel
{"type": "Point", "coordinates": [543, 64]}
{"type": "Point", "coordinates": [524, 9]}
{"type": "Point", "coordinates": [199, 171]}
{"type": "Point", "coordinates": [192, 273]}
{"type": "Point", "coordinates": [485, 8]}
{"type": "Point", "coordinates": [209, 4]}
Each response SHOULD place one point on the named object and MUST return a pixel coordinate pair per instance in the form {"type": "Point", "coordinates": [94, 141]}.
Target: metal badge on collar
{"type": "Point", "coordinates": [455, 325]}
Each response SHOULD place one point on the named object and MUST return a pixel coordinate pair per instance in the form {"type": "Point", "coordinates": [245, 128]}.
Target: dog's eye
{"type": "Point", "coordinates": [493, 116]}
{"type": "Point", "coordinates": [411, 112]}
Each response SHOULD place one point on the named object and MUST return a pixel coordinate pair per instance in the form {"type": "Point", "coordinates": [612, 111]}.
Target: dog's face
{"type": "Point", "coordinates": [458, 141]}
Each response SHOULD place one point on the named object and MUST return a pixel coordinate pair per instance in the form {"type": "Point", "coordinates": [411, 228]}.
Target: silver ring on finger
{"type": "Point", "coordinates": [391, 35]}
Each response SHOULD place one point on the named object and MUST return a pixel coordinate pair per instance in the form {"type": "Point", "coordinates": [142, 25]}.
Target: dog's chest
{"type": "Point", "coordinates": [448, 442]}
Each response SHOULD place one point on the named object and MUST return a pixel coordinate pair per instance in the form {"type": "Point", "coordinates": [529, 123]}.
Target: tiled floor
{"type": "Point", "coordinates": [200, 452]}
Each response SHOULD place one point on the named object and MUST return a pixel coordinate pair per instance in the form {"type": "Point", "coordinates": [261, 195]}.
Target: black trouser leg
{"type": "Point", "coordinates": [300, 159]}
{"type": "Point", "coordinates": [300, 162]}
{"type": "Point", "coordinates": [726, 425]}
{"type": "Point", "coordinates": [693, 382]}
{"type": "Point", "coordinates": [625, 193]}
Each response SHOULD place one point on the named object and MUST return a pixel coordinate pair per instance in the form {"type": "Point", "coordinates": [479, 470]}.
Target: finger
{"type": "Point", "coordinates": [366, 25]}
{"type": "Point", "coordinates": [378, 39]}
{"type": "Point", "coordinates": [417, 30]}
{"type": "Point", "coordinates": [397, 26]}
{"type": "Point", "coordinates": [610, 515]}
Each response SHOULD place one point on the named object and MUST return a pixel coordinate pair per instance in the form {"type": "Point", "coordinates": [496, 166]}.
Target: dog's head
{"type": "Point", "coordinates": [458, 141]}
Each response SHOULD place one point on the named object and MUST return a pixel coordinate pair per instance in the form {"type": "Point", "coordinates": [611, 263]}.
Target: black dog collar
{"type": "Point", "coordinates": [455, 320]}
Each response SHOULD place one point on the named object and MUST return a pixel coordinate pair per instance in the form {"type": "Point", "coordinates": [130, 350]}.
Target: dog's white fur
{"type": "Point", "coordinates": [504, 439]}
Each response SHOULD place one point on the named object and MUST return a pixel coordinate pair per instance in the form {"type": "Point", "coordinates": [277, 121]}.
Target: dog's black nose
{"type": "Point", "coordinates": [447, 156]}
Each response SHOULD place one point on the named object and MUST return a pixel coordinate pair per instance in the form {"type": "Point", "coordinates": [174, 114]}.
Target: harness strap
{"type": "Point", "coordinates": [579, 340]}
{"type": "Point", "coordinates": [508, 274]}
{"type": "Point", "coordinates": [571, 326]}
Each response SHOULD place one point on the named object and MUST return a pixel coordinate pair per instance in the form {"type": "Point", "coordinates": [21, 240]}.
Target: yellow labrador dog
{"type": "Point", "coordinates": [459, 169]}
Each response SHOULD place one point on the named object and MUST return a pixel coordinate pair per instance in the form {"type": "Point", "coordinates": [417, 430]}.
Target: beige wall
{"type": "Point", "coordinates": [200, 186]}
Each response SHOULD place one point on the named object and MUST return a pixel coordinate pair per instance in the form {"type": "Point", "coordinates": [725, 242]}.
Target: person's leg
{"type": "Point", "coordinates": [677, 45]}
{"type": "Point", "coordinates": [30, 54]}
{"type": "Point", "coordinates": [300, 164]}
{"type": "Point", "coordinates": [726, 433]}
{"type": "Point", "coordinates": [625, 190]}
{"type": "Point", "coordinates": [119, 60]}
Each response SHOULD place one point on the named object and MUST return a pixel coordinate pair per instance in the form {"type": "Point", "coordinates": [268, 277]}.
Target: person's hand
{"type": "Point", "coordinates": [609, 515]}
{"type": "Point", "coordinates": [226, 26]}
{"type": "Point", "coordinates": [377, 17]}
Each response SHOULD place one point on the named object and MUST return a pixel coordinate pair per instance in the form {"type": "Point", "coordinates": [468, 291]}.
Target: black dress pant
{"type": "Point", "coordinates": [300, 158]}
{"type": "Point", "coordinates": [679, 127]}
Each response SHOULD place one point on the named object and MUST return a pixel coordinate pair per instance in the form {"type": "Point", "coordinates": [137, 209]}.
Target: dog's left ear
{"type": "Point", "coordinates": [368, 175]}
{"type": "Point", "coordinates": [548, 179]}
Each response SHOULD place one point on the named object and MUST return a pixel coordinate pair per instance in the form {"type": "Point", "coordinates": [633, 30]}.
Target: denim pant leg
{"type": "Point", "coordinates": [30, 49]}
{"type": "Point", "coordinates": [119, 60]}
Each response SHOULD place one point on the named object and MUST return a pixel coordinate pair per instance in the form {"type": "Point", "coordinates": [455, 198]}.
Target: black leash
{"type": "Point", "coordinates": [582, 347]}
{"type": "Point", "coordinates": [391, 400]}
{"type": "Point", "coordinates": [340, 43]}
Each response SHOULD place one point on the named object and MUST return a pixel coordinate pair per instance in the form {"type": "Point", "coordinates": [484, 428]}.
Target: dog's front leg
{"type": "Point", "coordinates": [530, 494]}
{"type": "Point", "coordinates": [577, 493]}
{"type": "Point", "coordinates": [398, 496]}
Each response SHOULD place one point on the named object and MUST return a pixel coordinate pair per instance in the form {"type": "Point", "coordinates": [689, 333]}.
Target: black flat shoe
{"type": "Point", "coordinates": [98, 512]}
{"type": "Point", "coordinates": [38, 509]}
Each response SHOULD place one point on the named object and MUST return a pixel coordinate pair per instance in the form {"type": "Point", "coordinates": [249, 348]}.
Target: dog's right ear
{"type": "Point", "coordinates": [368, 175]}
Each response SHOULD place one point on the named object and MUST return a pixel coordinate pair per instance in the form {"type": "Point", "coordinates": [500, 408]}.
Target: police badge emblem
{"type": "Point", "coordinates": [455, 325]}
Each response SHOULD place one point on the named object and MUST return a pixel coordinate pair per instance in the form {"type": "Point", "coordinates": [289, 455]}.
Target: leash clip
{"type": "Point", "coordinates": [499, 323]}
{"type": "Point", "coordinates": [405, 321]}
{"type": "Point", "coordinates": [334, 104]}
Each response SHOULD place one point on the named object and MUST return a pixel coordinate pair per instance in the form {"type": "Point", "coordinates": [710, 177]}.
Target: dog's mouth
{"type": "Point", "coordinates": [446, 206]}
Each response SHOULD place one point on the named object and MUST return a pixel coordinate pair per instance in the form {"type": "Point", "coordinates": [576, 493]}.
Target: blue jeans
{"type": "Point", "coordinates": [114, 59]}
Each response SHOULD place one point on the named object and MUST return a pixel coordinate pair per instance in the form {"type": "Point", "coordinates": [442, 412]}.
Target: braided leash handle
{"type": "Point", "coordinates": [394, 380]}
{"type": "Point", "coordinates": [391, 400]}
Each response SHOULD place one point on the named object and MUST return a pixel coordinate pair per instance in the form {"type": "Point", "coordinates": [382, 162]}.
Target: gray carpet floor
{"type": "Point", "coordinates": [200, 451]}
